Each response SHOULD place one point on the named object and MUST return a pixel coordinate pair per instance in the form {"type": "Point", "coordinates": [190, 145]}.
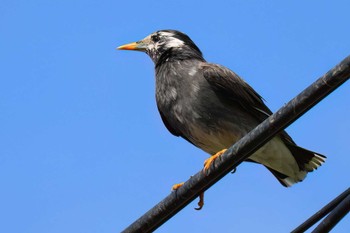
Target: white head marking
{"type": "Point", "coordinates": [171, 42]}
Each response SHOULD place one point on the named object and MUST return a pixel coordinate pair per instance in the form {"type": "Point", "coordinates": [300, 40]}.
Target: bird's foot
{"type": "Point", "coordinates": [176, 186]}
{"type": "Point", "coordinates": [201, 196]}
{"type": "Point", "coordinates": [212, 158]}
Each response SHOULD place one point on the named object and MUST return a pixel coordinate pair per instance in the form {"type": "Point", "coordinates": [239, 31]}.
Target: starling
{"type": "Point", "coordinates": [212, 107]}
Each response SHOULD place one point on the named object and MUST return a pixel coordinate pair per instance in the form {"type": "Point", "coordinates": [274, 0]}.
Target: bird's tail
{"type": "Point", "coordinates": [307, 161]}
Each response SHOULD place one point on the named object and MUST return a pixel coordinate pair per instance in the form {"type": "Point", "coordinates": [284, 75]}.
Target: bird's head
{"type": "Point", "coordinates": [162, 42]}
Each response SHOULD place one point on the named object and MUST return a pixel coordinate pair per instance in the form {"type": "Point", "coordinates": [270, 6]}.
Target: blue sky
{"type": "Point", "coordinates": [83, 148]}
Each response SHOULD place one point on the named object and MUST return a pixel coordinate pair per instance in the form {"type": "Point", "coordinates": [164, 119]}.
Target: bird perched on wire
{"type": "Point", "coordinates": [212, 107]}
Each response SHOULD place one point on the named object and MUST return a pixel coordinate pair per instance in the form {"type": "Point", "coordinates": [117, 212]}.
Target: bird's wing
{"type": "Point", "coordinates": [231, 87]}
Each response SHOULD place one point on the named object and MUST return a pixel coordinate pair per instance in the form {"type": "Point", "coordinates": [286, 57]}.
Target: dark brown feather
{"type": "Point", "coordinates": [230, 86]}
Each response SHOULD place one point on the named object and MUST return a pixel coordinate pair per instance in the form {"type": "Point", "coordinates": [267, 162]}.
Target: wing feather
{"type": "Point", "coordinates": [231, 87]}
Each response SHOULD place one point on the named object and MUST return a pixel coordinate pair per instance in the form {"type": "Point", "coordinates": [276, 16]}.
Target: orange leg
{"type": "Point", "coordinates": [201, 196]}
{"type": "Point", "coordinates": [209, 161]}
{"type": "Point", "coordinates": [176, 186]}
{"type": "Point", "coordinates": [207, 164]}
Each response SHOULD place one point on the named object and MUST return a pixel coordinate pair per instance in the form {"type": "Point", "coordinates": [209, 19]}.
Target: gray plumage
{"type": "Point", "coordinates": [212, 107]}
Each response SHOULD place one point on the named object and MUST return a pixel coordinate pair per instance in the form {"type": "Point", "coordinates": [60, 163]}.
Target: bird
{"type": "Point", "coordinates": [211, 107]}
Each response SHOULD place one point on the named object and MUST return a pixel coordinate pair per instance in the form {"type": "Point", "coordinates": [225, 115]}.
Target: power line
{"type": "Point", "coordinates": [330, 207]}
{"type": "Point", "coordinates": [242, 149]}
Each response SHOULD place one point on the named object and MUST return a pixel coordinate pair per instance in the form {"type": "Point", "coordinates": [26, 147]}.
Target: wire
{"type": "Point", "coordinates": [322, 212]}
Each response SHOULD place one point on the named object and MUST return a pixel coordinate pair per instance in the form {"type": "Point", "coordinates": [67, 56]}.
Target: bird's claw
{"type": "Point", "coordinates": [211, 159]}
{"type": "Point", "coordinates": [176, 186]}
{"type": "Point", "coordinates": [201, 196]}
{"type": "Point", "coordinates": [200, 202]}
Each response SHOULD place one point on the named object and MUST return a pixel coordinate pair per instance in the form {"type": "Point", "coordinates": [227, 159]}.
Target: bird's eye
{"type": "Point", "coordinates": [155, 38]}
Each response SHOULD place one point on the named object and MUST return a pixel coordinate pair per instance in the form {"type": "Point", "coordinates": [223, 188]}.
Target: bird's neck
{"type": "Point", "coordinates": [178, 54]}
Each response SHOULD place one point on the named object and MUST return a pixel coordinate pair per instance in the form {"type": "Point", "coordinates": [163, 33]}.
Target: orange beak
{"type": "Point", "coordinates": [138, 46]}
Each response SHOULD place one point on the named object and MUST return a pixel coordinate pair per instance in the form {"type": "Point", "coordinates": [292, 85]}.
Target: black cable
{"type": "Point", "coordinates": [334, 217]}
{"type": "Point", "coordinates": [322, 212]}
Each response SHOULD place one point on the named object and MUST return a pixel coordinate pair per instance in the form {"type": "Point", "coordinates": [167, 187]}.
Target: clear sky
{"type": "Point", "coordinates": [83, 149]}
